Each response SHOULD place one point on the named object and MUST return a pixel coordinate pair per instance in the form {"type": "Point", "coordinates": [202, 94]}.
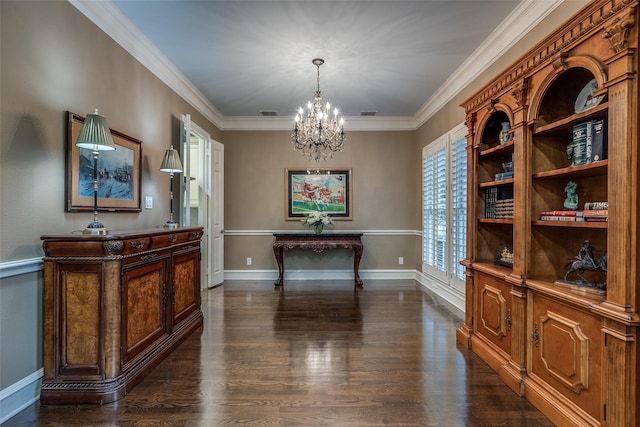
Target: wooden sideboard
{"type": "Point", "coordinates": [318, 243]}
{"type": "Point", "coordinates": [114, 307]}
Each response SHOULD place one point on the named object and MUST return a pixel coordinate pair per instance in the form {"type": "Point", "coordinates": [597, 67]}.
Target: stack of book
{"type": "Point", "coordinates": [589, 142]}
{"type": "Point", "coordinates": [563, 215]}
{"type": "Point", "coordinates": [498, 202]}
{"type": "Point", "coordinates": [596, 211]}
{"type": "Point", "coordinates": [508, 172]}
{"type": "Point", "coordinates": [504, 209]}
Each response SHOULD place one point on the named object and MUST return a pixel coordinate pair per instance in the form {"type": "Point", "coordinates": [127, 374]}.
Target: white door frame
{"type": "Point", "coordinates": [211, 183]}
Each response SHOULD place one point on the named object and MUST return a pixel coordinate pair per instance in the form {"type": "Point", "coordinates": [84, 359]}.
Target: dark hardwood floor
{"type": "Point", "coordinates": [315, 354]}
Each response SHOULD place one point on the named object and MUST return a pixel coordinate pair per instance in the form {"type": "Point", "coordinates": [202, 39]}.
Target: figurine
{"type": "Point", "coordinates": [571, 202]}
{"type": "Point", "coordinates": [587, 260]}
{"type": "Point", "coordinates": [504, 136]}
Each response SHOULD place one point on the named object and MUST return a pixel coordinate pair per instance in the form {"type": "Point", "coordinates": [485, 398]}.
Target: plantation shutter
{"type": "Point", "coordinates": [459, 206]}
{"type": "Point", "coordinates": [435, 210]}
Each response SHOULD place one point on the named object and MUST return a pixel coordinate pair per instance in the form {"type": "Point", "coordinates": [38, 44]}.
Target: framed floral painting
{"type": "Point", "coordinates": [312, 190]}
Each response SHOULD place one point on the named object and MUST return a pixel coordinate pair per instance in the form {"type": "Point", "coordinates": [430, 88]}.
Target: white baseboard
{"type": "Point", "coordinates": [19, 395]}
{"type": "Point", "coordinates": [318, 274]}
{"type": "Point", "coordinates": [449, 294]}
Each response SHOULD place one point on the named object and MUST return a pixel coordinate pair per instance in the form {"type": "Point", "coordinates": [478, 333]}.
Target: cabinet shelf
{"type": "Point", "coordinates": [495, 221]}
{"type": "Point", "coordinates": [496, 183]}
{"type": "Point", "coordinates": [498, 150]}
{"type": "Point", "coordinates": [570, 224]}
{"type": "Point", "coordinates": [590, 169]}
{"type": "Point", "coordinates": [582, 300]}
{"type": "Point", "coordinates": [564, 126]}
{"type": "Point", "coordinates": [492, 269]}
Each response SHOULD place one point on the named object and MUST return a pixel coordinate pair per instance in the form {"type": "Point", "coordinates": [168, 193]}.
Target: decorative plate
{"type": "Point", "coordinates": [586, 99]}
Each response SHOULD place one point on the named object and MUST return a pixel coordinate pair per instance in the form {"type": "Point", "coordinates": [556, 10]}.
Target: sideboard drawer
{"type": "Point", "coordinates": [132, 246]}
{"type": "Point", "coordinates": [166, 240]}
{"type": "Point", "coordinates": [145, 257]}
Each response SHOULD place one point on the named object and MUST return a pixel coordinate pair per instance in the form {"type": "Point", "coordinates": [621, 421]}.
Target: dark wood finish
{"type": "Point", "coordinates": [318, 243]}
{"type": "Point", "coordinates": [572, 351]}
{"type": "Point", "coordinates": [314, 354]}
{"type": "Point", "coordinates": [114, 307]}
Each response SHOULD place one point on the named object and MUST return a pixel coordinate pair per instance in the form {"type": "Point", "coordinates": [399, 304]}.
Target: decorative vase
{"type": "Point", "coordinates": [504, 135]}
{"type": "Point", "coordinates": [318, 227]}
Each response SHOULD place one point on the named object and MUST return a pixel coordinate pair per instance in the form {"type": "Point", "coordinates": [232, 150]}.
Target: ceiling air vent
{"type": "Point", "coordinates": [368, 113]}
{"type": "Point", "coordinates": [269, 113]}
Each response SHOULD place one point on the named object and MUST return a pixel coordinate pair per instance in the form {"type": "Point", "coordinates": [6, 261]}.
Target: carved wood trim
{"type": "Point", "coordinates": [579, 27]}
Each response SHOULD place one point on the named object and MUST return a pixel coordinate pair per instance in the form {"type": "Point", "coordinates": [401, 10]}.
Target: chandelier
{"type": "Point", "coordinates": [318, 132]}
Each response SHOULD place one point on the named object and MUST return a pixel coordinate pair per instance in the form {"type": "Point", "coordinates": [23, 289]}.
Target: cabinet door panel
{"type": "Point", "coordinates": [79, 319]}
{"type": "Point", "coordinates": [144, 307]}
{"type": "Point", "coordinates": [186, 282]}
{"type": "Point", "coordinates": [567, 352]}
{"type": "Point", "coordinates": [494, 310]}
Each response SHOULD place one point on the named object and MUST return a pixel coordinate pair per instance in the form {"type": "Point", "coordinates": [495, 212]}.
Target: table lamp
{"type": "Point", "coordinates": [95, 136]}
{"type": "Point", "coordinates": [171, 163]}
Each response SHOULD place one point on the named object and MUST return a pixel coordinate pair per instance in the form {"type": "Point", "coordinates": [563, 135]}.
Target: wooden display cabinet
{"type": "Point", "coordinates": [571, 349]}
{"type": "Point", "coordinates": [114, 306]}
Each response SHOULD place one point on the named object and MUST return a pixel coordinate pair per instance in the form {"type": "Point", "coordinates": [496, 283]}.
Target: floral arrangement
{"type": "Point", "coordinates": [317, 220]}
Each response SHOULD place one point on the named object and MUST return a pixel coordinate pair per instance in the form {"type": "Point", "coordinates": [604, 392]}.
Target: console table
{"type": "Point", "coordinates": [114, 306]}
{"type": "Point", "coordinates": [318, 243]}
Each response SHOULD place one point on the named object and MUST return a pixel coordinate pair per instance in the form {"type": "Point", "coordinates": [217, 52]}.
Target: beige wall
{"type": "Point", "coordinates": [383, 187]}
{"type": "Point", "coordinates": [53, 60]}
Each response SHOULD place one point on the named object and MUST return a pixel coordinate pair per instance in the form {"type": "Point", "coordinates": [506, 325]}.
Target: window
{"type": "Point", "coordinates": [444, 229]}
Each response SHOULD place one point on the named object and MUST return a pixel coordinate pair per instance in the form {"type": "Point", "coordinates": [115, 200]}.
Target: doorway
{"type": "Point", "coordinates": [202, 196]}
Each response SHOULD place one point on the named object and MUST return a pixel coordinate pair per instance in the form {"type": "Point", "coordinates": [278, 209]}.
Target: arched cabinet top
{"type": "Point", "coordinates": [490, 126]}
{"type": "Point", "coordinates": [573, 80]}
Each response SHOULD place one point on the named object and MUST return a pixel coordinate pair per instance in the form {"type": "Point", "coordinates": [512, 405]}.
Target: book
{"type": "Point", "coordinates": [596, 212]}
{"type": "Point", "coordinates": [503, 175]}
{"type": "Point", "coordinates": [596, 205]}
{"type": "Point", "coordinates": [578, 144]}
{"type": "Point", "coordinates": [561, 213]}
{"type": "Point", "coordinates": [599, 143]}
{"type": "Point", "coordinates": [597, 219]}
{"type": "Point", "coordinates": [557, 218]}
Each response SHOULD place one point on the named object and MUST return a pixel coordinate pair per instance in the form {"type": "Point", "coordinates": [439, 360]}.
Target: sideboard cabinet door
{"type": "Point", "coordinates": [186, 284]}
{"type": "Point", "coordinates": [144, 307]}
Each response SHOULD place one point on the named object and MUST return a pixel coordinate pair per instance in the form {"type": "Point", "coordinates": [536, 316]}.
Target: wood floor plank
{"type": "Point", "coordinates": [317, 353]}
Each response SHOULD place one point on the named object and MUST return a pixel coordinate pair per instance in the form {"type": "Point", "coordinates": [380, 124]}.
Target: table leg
{"type": "Point", "coordinates": [278, 252]}
{"type": "Point", "coordinates": [357, 255]}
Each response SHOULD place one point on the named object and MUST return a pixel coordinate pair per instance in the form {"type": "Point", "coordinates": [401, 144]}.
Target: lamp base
{"type": "Point", "coordinates": [170, 224]}
{"type": "Point", "coordinates": [95, 228]}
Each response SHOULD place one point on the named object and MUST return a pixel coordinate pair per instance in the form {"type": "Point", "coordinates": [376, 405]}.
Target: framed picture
{"type": "Point", "coordinates": [327, 189]}
{"type": "Point", "coordinates": [119, 173]}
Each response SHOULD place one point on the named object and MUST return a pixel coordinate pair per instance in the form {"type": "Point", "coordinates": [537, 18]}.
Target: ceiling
{"type": "Point", "coordinates": [238, 59]}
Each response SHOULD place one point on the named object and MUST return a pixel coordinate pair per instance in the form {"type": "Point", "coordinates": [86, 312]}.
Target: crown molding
{"type": "Point", "coordinates": [516, 25]}
{"type": "Point", "coordinates": [110, 20]}
{"type": "Point", "coordinates": [519, 22]}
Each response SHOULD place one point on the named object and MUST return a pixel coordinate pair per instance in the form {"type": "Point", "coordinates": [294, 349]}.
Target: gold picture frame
{"type": "Point", "coordinates": [120, 173]}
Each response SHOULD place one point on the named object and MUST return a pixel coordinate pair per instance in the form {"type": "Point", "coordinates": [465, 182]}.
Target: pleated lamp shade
{"type": "Point", "coordinates": [171, 162]}
{"type": "Point", "coordinates": [95, 134]}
